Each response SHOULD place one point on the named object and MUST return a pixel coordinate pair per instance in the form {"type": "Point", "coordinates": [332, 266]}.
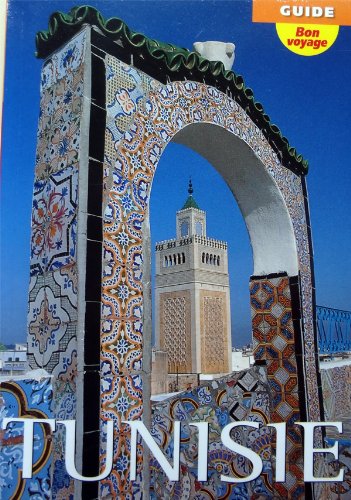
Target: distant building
{"type": "Point", "coordinates": [14, 361]}
{"type": "Point", "coordinates": [193, 298]}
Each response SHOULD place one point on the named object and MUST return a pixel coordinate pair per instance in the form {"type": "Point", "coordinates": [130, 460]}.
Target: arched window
{"type": "Point", "coordinates": [207, 257]}
{"type": "Point", "coordinates": [203, 257]}
{"type": "Point", "coordinates": [211, 259]}
{"type": "Point", "coordinates": [165, 261]}
{"type": "Point", "coordinates": [218, 260]}
{"type": "Point", "coordinates": [183, 257]}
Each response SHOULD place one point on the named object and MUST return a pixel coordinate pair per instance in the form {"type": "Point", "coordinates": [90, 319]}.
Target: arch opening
{"type": "Point", "coordinates": [259, 199]}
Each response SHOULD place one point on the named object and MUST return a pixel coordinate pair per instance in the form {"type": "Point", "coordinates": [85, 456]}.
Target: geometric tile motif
{"type": "Point", "coordinates": [273, 335]}
{"type": "Point", "coordinates": [52, 320]}
{"type": "Point", "coordinates": [53, 297]}
{"type": "Point", "coordinates": [121, 347]}
{"type": "Point", "coordinates": [31, 398]}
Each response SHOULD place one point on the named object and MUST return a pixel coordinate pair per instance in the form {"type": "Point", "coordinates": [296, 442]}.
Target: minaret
{"type": "Point", "coordinates": [192, 296]}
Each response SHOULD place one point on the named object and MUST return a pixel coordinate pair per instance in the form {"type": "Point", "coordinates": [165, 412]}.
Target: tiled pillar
{"type": "Point", "coordinates": [275, 306]}
{"type": "Point", "coordinates": [58, 303]}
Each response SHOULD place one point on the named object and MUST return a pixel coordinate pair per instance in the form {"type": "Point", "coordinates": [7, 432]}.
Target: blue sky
{"type": "Point", "coordinates": [307, 97]}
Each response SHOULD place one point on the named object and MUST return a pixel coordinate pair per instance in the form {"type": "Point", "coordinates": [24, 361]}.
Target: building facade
{"type": "Point", "coordinates": [193, 297]}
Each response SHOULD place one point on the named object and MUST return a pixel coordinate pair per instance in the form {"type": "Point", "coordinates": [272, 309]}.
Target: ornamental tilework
{"type": "Point", "coordinates": [65, 62]}
{"type": "Point", "coordinates": [52, 320]}
{"type": "Point", "coordinates": [60, 109]}
{"type": "Point", "coordinates": [54, 221]}
{"type": "Point", "coordinates": [126, 92]}
{"type": "Point", "coordinates": [122, 347]}
{"type": "Point", "coordinates": [336, 387]}
{"type": "Point", "coordinates": [121, 399]}
{"type": "Point", "coordinates": [31, 398]}
{"type": "Point", "coordinates": [274, 343]}
{"type": "Point", "coordinates": [52, 314]}
{"type": "Point", "coordinates": [239, 396]}
{"type": "Point", "coordinates": [130, 163]}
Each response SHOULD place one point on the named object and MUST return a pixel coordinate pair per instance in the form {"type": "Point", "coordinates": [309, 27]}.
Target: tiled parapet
{"type": "Point", "coordinates": [29, 398]}
{"type": "Point", "coordinates": [242, 396]}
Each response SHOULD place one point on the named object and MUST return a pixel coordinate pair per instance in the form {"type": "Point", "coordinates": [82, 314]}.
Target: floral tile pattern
{"type": "Point", "coordinates": [25, 398]}
{"type": "Point", "coordinates": [122, 343]}
{"type": "Point", "coordinates": [54, 222]}
{"type": "Point", "coordinates": [52, 312]}
{"type": "Point", "coordinates": [128, 89]}
{"type": "Point", "coordinates": [64, 63]}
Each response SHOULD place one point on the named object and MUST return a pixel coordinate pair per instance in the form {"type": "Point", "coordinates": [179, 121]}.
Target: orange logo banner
{"type": "Point", "coordinates": [332, 12]}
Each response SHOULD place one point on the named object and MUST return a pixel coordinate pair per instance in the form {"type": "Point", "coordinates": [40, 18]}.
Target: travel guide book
{"type": "Point", "coordinates": [175, 311]}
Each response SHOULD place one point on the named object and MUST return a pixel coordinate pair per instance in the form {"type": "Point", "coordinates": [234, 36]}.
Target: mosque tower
{"type": "Point", "coordinates": [193, 297]}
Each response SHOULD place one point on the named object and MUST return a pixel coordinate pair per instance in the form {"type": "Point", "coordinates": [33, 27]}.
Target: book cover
{"type": "Point", "coordinates": [174, 303]}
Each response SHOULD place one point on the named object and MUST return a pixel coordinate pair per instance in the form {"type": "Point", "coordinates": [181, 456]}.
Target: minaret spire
{"type": "Point", "coordinates": [190, 188]}
{"type": "Point", "coordinates": [190, 202]}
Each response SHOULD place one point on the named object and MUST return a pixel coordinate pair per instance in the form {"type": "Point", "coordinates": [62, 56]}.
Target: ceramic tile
{"type": "Point", "coordinates": [121, 344]}
{"type": "Point", "coordinates": [27, 398]}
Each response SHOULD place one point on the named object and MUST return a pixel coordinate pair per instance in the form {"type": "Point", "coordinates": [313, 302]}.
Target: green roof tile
{"type": "Point", "coordinates": [190, 203]}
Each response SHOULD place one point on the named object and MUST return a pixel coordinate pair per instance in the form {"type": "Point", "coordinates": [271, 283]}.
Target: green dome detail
{"type": "Point", "coordinates": [190, 203]}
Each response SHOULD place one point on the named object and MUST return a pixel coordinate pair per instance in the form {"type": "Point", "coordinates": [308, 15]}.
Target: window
{"type": "Point", "coordinates": [198, 228]}
{"type": "Point", "coordinates": [184, 229]}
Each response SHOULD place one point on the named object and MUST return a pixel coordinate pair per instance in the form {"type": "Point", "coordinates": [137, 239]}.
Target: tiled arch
{"type": "Point", "coordinates": [128, 178]}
